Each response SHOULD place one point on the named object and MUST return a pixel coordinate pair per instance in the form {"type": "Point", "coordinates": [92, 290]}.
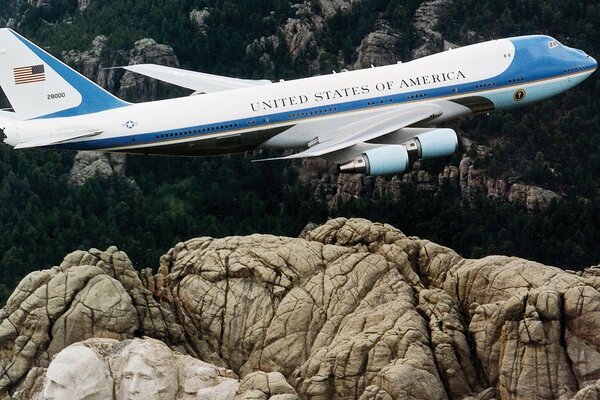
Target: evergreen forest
{"type": "Point", "coordinates": [554, 144]}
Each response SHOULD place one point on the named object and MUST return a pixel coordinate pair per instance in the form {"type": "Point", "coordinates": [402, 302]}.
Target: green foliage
{"type": "Point", "coordinates": [484, 227]}
{"type": "Point", "coordinates": [43, 218]}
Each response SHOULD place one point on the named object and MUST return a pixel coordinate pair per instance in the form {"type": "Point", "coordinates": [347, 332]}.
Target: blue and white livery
{"type": "Point", "coordinates": [375, 121]}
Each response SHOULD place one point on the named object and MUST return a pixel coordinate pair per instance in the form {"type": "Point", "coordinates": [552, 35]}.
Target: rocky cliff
{"type": "Point", "coordinates": [355, 310]}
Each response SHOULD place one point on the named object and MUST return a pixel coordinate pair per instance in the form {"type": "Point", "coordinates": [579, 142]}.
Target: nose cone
{"type": "Point", "coordinates": [592, 63]}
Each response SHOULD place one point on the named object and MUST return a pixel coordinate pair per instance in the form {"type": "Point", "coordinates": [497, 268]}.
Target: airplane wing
{"type": "Point", "coordinates": [366, 129]}
{"type": "Point", "coordinates": [57, 138]}
{"type": "Point", "coordinates": [198, 81]}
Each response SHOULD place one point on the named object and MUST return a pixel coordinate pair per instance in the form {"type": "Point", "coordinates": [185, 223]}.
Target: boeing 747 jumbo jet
{"type": "Point", "coordinates": [375, 121]}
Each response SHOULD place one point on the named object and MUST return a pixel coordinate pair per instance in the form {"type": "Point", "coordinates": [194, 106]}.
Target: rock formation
{"type": "Point", "coordinates": [474, 181]}
{"type": "Point", "coordinates": [425, 23]}
{"type": "Point", "coordinates": [470, 181]}
{"type": "Point", "coordinates": [97, 63]}
{"type": "Point", "coordinates": [83, 4]}
{"type": "Point", "coordinates": [355, 310]}
{"type": "Point", "coordinates": [380, 47]}
{"type": "Point", "coordinates": [329, 8]}
{"type": "Point", "coordinates": [138, 87]}
{"type": "Point", "coordinates": [199, 18]}
{"type": "Point", "coordinates": [89, 164]}
{"type": "Point", "coordinates": [299, 33]}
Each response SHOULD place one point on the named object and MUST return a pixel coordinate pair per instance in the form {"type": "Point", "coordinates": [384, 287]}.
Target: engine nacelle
{"type": "Point", "coordinates": [396, 158]}
{"type": "Point", "coordinates": [384, 160]}
{"type": "Point", "coordinates": [435, 143]}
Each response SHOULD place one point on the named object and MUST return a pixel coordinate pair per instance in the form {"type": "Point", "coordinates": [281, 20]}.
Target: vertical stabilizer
{"type": "Point", "coordinates": [40, 86]}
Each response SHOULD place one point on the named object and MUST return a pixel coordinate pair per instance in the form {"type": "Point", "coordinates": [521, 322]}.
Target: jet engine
{"type": "Point", "coordinates": [396, 158]}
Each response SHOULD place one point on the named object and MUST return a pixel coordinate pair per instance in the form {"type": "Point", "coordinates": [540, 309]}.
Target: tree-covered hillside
{"type": "Point", "coordinates": [554, 144]}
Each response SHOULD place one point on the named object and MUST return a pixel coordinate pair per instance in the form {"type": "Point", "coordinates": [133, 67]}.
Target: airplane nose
{"type": "Point", "coordinates": [593, 64]}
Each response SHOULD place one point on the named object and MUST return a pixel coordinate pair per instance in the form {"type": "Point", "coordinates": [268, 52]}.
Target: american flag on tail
{"type": "Point", "coordinates": [29, 74]}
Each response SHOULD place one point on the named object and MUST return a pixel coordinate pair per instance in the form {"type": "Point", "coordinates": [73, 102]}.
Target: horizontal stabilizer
{"type": "Point", "coordinates": [57, 138]}
{"type": "Point", "coordinates": [198, 81]}
{"type": "Point", "coordinates": [4, 114]}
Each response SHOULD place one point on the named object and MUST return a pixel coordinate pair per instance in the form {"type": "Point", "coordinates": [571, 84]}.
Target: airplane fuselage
{"type": "Point", "coordinates": [483, 77]}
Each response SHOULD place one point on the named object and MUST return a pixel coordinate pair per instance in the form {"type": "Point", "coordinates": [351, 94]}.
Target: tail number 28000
{"type": "Point", "coordinates": [54, 96]}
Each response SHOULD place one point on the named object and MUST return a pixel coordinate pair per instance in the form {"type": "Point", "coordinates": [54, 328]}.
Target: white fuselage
{"type": "Point", "coordinates": [290, 114]}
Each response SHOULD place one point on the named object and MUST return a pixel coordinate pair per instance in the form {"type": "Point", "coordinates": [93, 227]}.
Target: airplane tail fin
{"type": "Point", "coordinates": [38, 85]}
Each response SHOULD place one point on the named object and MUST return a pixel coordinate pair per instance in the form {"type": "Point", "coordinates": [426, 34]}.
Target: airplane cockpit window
{"type": "Point", "coordinates": [553, 43]}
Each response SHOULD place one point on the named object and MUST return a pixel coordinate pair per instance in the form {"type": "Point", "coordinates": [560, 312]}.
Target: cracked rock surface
{"type": "Point", "coordinates": [355, 310]}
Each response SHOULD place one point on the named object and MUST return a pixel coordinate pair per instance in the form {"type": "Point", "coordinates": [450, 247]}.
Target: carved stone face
{"type": "Point", "coordinates": [139, 380]}
{"type": "Point", "coordinates": [197, 379]}
{"type": "Point", "coordinates": [77, 373]}
{"type": "Point", "coordinates": [60, 382]}
{"type": "Point", "coordinates": [149, 372]}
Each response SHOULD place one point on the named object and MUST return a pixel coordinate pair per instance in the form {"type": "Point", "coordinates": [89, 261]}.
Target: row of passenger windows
{"type": "Point", "coordinates": [382, 101]}
{"type": "Point", "coordinates": [485, 85]}
{"type": "Point", "coordinates": [196, 131]}
{"type": "Point", "coordinates": [312, 112]}
{"type": "Point", "coordinates": [515, 80]}
{"type": "Point", "coordinates": [417, 96]}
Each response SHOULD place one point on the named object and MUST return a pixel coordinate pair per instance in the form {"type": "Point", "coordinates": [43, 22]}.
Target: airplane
{"type": "Point", "coordinates": [375, 121]}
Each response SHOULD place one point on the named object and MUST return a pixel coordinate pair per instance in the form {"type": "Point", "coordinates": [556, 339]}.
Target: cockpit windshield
{"type": "Point", "coordinates": [553, 43]}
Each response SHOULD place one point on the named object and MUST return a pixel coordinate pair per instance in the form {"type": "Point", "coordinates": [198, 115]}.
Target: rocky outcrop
{"type": "Point", "coordinates": [380, 47]}
{"type": "Point", "coordinates": [138, 87]}
{"type": "Point", "coordinates": [83, 4]}
{"type": "Point", "coordinates": [264, 48]}
{"type": "Point", "coordinates": [39, 3]}
{"type": "Point", "coordinates": [425, 22]}
{"type": "Point", "coordinates": [355, 310]}
{"type": "Point", "coordinates": [89, 164]}
{"type": "Point", "coordinates": [99, 62]}
{"type": "Point", "coordinates": [199, 18]}
{"type": "Point", "coordinates": [93, 64]}
{"type": "Point", "coordinates": [299, 32]}
{"type": "Point", "coordinates": [329, 8]}
{"type": "Point", "coordinates": [474, 181]}
{"type": "Point", "coordinates": [471, 182]}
